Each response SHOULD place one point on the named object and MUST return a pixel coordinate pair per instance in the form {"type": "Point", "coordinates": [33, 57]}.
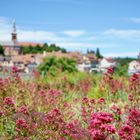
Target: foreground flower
{"type": "Point", "coordinates": [22, 109]}
{"type": "Point", "coordinates": [100, 125]}
{"type": "Point", "coordinates": [21, 123]}
{"type": "Point", "coordinates": [126, 133]}
{"type": "Point", "coordinates": [8, 101]}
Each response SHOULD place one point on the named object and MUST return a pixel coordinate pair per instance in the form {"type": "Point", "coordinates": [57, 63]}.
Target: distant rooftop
{"type": "Point", "coordinates": [25, 44]}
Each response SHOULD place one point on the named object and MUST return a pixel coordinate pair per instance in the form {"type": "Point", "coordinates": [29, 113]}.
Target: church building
{"type": "Point", "coordinates": [13, 47]}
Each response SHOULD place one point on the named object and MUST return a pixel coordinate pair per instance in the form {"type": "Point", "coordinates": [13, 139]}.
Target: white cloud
{"type": "Point", "coordinates": [27, 35]}
{"type": "Point", "coordinates": [39, 36]}
{"type": "Point", "coordinates": [135, 20]}
{"type": "Point", "coordinates": [82, 45]}
{"type": "Point", "coordinates": [64, 39]}
{"type": "Point", "coordinates": [124, 54]}
{"type": "Point", "coordinates": [90, 38]}
{"type": "Point", "coordinates": [129, 34]}
{"type": "Point", "coordinates": [75, 33]}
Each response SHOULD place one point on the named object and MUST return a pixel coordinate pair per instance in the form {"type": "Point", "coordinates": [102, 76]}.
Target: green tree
{"type": "Point", "coordinates": [98, 54]}
{"type": "Point", "coordinates": [39, 49]}
{"type": "Point", "coordinates": [123, 64]}
{"type": "Point", "coordinates": [1, 50]}
{"type": "Point", "coordinates": [90, 51]}
{"type": "Point", "coordinates": [53, 64]}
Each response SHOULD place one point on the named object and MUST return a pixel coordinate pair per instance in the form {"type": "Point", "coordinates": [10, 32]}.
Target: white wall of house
{"type": "Point", "coordinates": [84, 67]}
{"type": "Point", "coordinates": [134, 67]}
{"type": "Point", "coordinates": [7, 64]}
{"type": "Point", "coordinates": [104, 64]}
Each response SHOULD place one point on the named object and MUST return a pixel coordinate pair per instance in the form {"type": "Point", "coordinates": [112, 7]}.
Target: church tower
{"type": "Point", "coordinates": [14, 34]}
{"type": "Point", "coordinates": [15, 49]}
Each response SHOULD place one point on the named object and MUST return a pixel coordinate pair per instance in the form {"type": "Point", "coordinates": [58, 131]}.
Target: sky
{"type": "Point", "coordinates": [113, 26]}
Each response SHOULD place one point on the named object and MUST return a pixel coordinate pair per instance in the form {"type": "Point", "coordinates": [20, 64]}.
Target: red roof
{"type": "Point", "coordinates": [26, 44]}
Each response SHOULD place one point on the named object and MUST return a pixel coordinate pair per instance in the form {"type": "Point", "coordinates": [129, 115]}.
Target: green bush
{"type": "Point", "coordinates": [52, 65]}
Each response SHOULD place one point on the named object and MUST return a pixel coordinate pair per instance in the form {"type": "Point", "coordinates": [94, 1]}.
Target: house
{"type": "Point", "coordinates": [94, 66]}
{"type": "Point", "coordinates": [5, 62]}
{"type": "Point", "coordinates": [134, 67]}
{"type": "Point", "coordinates": [30, 67]}
{"type": "Point", "coordinates": [105, 63]}
{"type": "Point", "coordinates": [22, 61]}
{"type": "Point", "coordinates": [86, 62]}
{"type": "Point", "coordinates": [84, 66]}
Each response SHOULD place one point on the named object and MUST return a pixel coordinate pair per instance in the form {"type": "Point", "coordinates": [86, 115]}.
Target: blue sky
{"type": "Point", "coordinates": [111, 25]}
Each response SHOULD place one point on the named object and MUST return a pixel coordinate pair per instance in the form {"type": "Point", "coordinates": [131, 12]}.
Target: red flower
{"type": "Point", "coordinates": [8, 101]}
{"type": "Point", "coordinates": [130, 97]}
{"type": "Point", "coordinates": [110, 71]}
{"type": "Point", "coordinates": [101, 100]}
{"type": "Point", "coordinates": [85, 100]}
{"type": "Point", "coordinates": [22, 109]}
{"type": "Point", "coordinates": [126, 132]}
{"type": "Point", "coordinates": [21, 123]}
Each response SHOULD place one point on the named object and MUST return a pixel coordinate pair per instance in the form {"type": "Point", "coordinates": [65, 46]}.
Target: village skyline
{"type": "Point", "coordinates": [75, 25]}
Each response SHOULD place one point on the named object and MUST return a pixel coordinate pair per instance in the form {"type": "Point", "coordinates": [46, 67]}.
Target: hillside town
{"type": "Point", "coordinates": [28, 62]}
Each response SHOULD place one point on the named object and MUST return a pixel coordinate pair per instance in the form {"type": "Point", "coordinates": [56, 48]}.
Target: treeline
{"type": "Point", "coordinates": [97, 53]}
{"type": "Point", "coordinates": [123, 64]}
{"type": "Point", "coordinates": [1, 50]}
{"type": "Point", "coordinates": [40, 49]}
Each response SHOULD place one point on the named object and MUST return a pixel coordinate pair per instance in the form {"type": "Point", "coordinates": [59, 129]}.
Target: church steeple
{"type": "Point", "coordinates": [14, 33]}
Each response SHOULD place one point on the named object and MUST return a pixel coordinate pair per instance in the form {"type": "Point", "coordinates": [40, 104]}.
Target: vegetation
{"type": "Point", "coordinates": [40, 49]}
{"type": "Point", "coordinates": [98, 54]}
{"type": "Point", "coordinates": [122, 67]}
{"type": "Point", "coordinates": [70, 106]}
{"type": "Point", "coordinates": [90, 51]}
{"type": "Point", "coordinates": [52, 65]}
{"type": "Point", "coordinates": [1, 50]}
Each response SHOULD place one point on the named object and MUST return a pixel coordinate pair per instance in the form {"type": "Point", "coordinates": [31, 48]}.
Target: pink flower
{"type": "Point", "coordinates": [22, 109]}
{"type": "Point", "coordinates": [92, 101]}
{"type": "Point", "coordinates": [134, 118]}
{"type": "Point", "coordinates": [54, 92]}
{"type": "Point", "coordinates": [85, 100]}
{"type": "Point", "coordinates": [101, 100]}
{"type": "Point", "coordinates": [41, 92]}
{"type": "Point", "coordinates": [21, 123]}
{"type": "Point", "coordinates": [134, 78]}
{"type": "Point", "coordinates": [8, 101]}
{"type": "Point", "coordinates": [116, 109]}
{"type": "Point", "coordinates": [108, 128]}
{"type": "Point", "coordinates": [14, 69]}
{"type": "Point", "coordinates": [126, 132]}
{"type": "Point", "coordinates": [99, 125]}
{"type": "Point", "coordinates": [110, 70]}
{"type": "Point", "coordinates": [130, 97]}
{"type": "Point", "coordinates": [1, 113]}
{"type": "Point", "coordinates": [62, 139]}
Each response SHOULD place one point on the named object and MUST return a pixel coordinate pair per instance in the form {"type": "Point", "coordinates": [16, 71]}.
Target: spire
{"type": "Point", "coordinates": [14, 26]}
{"type": "Point", "coordinates": [14, 33]}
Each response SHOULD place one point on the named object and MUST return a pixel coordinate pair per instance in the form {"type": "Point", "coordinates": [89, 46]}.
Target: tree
{"type": "Point", "coordinates": [40, 49]}
{"type": "Point", "coordinates": [90, 51]}
{"type": "Point", "coordinates": [1, 50]}
{"type": "Point", "coordinates": [98, 55]}
{"type": "Point", "coordinates": [53, 64]}
{"type": "Point", "coordinates": [123, 64]}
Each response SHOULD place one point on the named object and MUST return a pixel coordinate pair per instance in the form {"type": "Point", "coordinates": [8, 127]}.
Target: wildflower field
{"type": "Point", "coordinates": [70, 106]}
